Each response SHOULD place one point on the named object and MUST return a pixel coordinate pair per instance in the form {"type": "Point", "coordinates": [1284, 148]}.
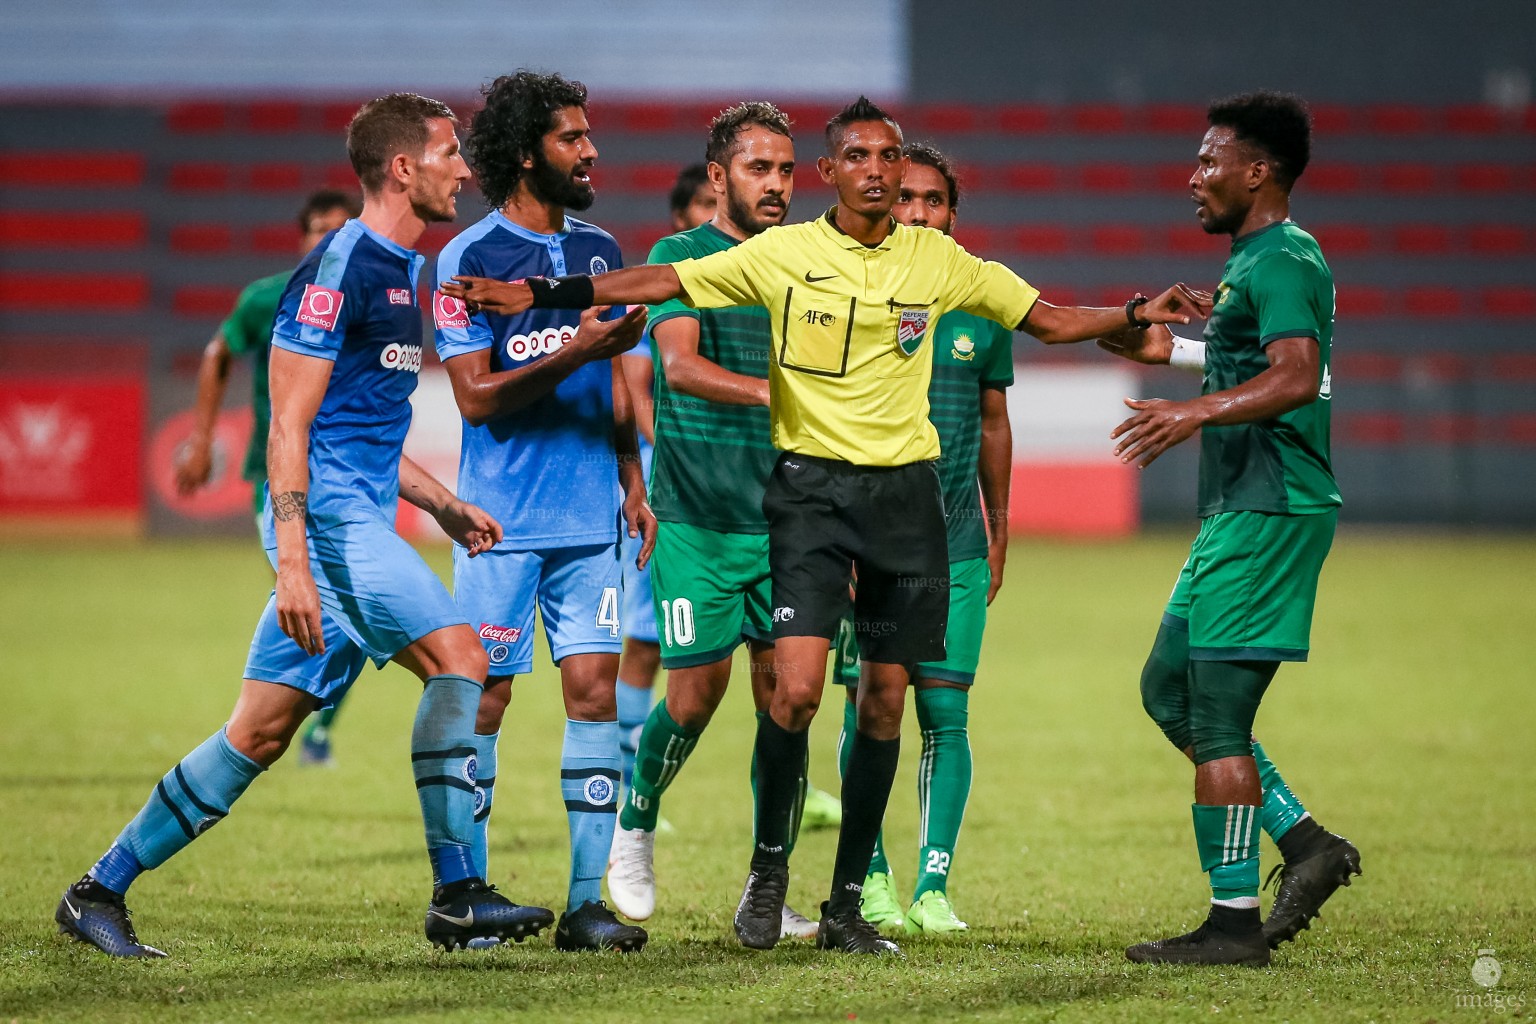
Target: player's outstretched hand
{"type": "Point", "coordinates": [298, 608]}
{"type": "Point", "coordinates": [194, 464]}
{"type": "Point", "coordinates": [469, 525]}
{"type": "Point", "coordinates": [1177, 305]}
{"type": "Point", "coordinates": [640, 521]}
{"type": "Point", "coordinates": [1151, 346]}
{"type": "Point", "coordinates": [1157, 426]}
{"type": "Point", "coordinates": [604, 339]}
{"type": "Point", "coordinates": [503, 297]}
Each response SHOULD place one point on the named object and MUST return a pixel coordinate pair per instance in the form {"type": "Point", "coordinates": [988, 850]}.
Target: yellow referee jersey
{"type": "Point", "coordinates": [850, 368]}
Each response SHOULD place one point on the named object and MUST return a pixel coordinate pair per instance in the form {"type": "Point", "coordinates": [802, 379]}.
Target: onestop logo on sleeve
{"type": "Point", "coordinates": [320, 307]}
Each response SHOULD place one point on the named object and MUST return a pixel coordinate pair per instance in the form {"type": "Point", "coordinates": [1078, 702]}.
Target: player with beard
{"type": "Point", "coordinates": [709, 573]}
{"type": "Point", "coordinates": [547, 419]}
{"type": "Point", "coordinates": [850, 296]}
{"type": "Point", "coordinates": [346, 352]}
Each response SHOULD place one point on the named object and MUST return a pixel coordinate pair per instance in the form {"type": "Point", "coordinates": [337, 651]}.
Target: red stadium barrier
{"type": "Point", "coordinates": [65, 229]}
{"type": "Point", "coordinates": [39, 292]}
{"type": "Point", "coordinates": [66, 169]}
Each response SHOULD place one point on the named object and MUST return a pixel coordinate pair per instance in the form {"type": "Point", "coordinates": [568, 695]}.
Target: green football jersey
{"type": "Point", "coordinates": [712, 461]}
{"type": "Point", "coordinates": [969, 353]}
{"type": "Point", "coordinates": [1275, 285]}
{"type": "Point", "coordinates": [248, 330]}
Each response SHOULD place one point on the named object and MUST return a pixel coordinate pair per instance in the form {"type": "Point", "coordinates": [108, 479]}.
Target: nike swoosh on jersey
{"type": "Point", "coordinates": [812, 280]}
{"type": "Point", "coordinates": [467, 921]}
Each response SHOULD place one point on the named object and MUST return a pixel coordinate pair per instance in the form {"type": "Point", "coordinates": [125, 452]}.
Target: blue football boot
{"type": "Point", "coordinates": [473, 915]}
{"type": "Point", "coordinates": [94, 914]}
{"type": "Point", "coordinates": [593, 926]}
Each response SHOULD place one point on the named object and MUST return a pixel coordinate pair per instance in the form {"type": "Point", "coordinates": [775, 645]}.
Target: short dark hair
{"type": "Point", "coordinates": [687, 186]}
{"type": "Point", "coordinates": [861, 109]}
{"type": "Point", "coordinates": [928, 156]}
{"type": "Point", "coordinates": [732, 121]}
{"type": "Point", "coordinates": [519, 111]}
{"type": "Point", "coordinates": [1278, 123]}
{"type": "Point", "coordinates": [391, 124]}
{"type": "Point", "coordinates": [324, 201]}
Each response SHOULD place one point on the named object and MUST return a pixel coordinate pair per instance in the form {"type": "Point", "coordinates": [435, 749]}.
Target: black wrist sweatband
{"type": "Point", "coordinates": [1130, 312]}
{"type": "Point", "coordinates": [573, 292]}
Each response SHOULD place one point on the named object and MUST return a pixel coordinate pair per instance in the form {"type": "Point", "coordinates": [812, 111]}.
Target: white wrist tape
{"type": "Point", "coordinates": [1188, 354]}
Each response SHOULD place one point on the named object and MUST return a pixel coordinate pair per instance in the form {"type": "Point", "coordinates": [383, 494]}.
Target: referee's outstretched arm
{"type": "Point", "coordinates": [1056, 325]}
{"type": "Point", "coordinates": [650, 284]}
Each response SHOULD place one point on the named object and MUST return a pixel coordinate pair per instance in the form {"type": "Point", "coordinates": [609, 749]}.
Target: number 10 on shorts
{"type": "Point", "coordinates": [677, 622]}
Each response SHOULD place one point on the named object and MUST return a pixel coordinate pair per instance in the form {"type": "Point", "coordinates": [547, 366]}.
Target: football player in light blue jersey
{"type": "Point", "coordinates": [346, 354]}
{"type": "Point", "coordinates": [548, 433]}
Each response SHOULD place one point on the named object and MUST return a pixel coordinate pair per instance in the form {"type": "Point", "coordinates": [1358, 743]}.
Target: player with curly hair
{"type": "Point", "coordinates": [549, 441]}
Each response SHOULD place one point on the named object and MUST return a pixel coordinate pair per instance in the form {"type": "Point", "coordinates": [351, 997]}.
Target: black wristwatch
{"type": "Point", "coordinates": [1130, 313]}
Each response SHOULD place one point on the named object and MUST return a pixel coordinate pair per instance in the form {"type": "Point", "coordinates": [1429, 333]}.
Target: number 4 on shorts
{"type": "Point", "coordinates": [608, 610]}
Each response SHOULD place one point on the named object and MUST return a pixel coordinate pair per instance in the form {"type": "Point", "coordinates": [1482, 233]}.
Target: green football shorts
{"type": "Point", "coordinates": [1250, 582]}
{"type": "Point", "coordinates": [969, 582]}
{"type": "Point", "coordinates": [711, 590]}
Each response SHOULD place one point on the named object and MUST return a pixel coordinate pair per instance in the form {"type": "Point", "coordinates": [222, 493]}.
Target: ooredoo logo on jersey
{"type": "Point", "coordinates": [522, 347]}
{"type": "Point", "coordinates": [401, 357]}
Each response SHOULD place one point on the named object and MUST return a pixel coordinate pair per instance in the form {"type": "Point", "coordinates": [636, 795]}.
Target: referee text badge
{"type": "Point", "coordinates": [909, 330]}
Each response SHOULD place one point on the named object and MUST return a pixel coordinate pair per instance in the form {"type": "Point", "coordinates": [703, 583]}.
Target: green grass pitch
{"type": "Point", "coordinates": [1411, 732]}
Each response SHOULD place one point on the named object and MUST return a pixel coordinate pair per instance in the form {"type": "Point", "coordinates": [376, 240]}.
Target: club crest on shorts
{"type": "Point", "coordinates": [910, 328]}
{"type": "Point", "coordinates": [599, 790]}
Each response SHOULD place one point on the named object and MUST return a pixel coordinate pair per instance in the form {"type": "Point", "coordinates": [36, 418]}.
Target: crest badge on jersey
{"type": "Point", "coordinates": [598, 265]}
{"type": "Point", "coordinates": [320, 307]}
{"type": "Point", "coordinates": [964, 348]}
{"type": "Point", "coordinates": [910, 328]}
{"type": "Point", "coordinates": [448, 311]}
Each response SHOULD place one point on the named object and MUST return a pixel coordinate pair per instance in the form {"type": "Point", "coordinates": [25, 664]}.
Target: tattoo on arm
{"type": "Point", "coordinates": [290, 505]}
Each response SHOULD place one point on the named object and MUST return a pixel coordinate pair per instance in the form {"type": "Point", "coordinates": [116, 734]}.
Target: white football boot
{"type": "Point", "coordinates": [631, 873]}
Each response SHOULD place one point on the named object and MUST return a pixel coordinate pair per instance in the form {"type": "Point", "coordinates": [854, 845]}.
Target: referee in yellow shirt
{"type": "Point", "coordinates": [851, 296]}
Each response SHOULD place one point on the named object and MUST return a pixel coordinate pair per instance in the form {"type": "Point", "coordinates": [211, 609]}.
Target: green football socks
{"type": "Point", "coordinates": [1281, 808]}
{"type": "Point", "coordinates": [943, 783]}
{"type": "Point", "coordinates": [1227, 837]}
{"type": "Point", "coordinates": [664, 746]}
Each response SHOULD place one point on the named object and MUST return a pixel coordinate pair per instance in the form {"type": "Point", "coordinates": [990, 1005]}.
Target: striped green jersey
{"type": "Point", "coordinates": [712, 461]}
{"type": "Point", "coordinates": [1275, 285]}
{"type": "Point", "coordinates": [969, 353]}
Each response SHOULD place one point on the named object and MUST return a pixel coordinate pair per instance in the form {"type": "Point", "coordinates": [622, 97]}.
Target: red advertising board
{"type": "Point", "coordinates": [71, 447]}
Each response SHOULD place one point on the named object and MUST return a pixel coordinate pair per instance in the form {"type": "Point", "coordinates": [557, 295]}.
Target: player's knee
{"type": "Point", "coordinates": [879, 719]}
{"type": "Point", "coordinates": [263, 743]}
{"type": "Point", "coordinates": [1164, 697]}
{"type": "Point", "coordinates": [795, 705]}
{"type": "Point", "coordinates": [493, 706]}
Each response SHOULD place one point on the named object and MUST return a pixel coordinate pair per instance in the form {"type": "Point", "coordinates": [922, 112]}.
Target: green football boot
{"type": "Point", "coordinates": [822, 810]}
{"type": "Point", "coordinates": [880, 905]}
{"type": "Point", "coordinates": [933, 914]}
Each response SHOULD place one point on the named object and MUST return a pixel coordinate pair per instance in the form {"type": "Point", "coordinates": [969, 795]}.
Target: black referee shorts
{"type": "Point", "coordinates": [828, 518]}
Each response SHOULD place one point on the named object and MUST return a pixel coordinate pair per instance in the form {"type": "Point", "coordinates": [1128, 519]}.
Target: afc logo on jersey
{"type": "Point", "coordinates": [320, 307]}
{"type": "Point", "coordinates": [448, 311]}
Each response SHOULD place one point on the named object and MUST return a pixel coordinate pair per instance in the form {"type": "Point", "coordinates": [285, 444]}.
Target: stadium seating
{"type": "Point", "coordinates": [161, 213]}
